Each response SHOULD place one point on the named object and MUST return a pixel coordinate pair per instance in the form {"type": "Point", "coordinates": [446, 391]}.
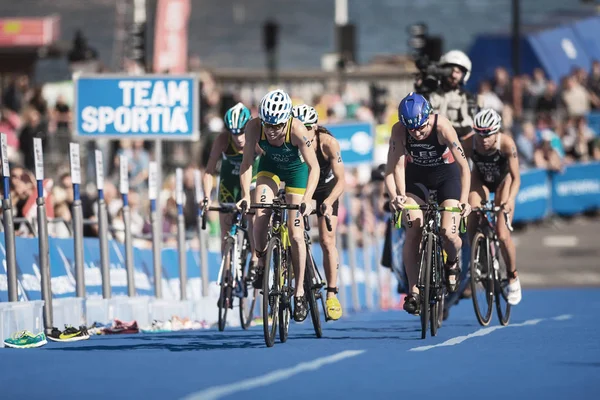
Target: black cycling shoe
{"type": "Point", "coordinates": [300, 308]}
{"type": "Point", "coordinates": [257, 283]}
{"type": "Point", "coordinates": [251, 276]}
{"type": "Point", "coordinates": [452, 275]}
{"type": "Point", "coordinates": [411, 304]}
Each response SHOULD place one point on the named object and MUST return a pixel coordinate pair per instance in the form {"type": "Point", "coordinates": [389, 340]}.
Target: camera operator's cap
{"type": "Point", "coordinates": [460, 59]}
{"type": "Point", "coordinates": [413, 111]}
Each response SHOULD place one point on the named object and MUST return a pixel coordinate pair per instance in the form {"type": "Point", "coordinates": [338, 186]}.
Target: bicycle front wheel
{"type": "Point", "coordinates": [271, 290]}
{"type": "Point", "coordinates": [425, 287]}
{"type": "Point", "coordinates": [225, 297]}
{"type": "Point", "coordinates": [285, 300]}
{"type": "Point", "coordinates": [311, 291]}
{"type": "Point", "coordinates": [481, 279]}
{"type": "Point", "coordinates": [501, 281]}
{"type": "Point", "coordinates": [248, 301]}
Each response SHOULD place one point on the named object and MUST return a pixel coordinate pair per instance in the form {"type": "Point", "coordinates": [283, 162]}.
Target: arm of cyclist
{"type": "Point", "coordinates": [450, 138]}
{"type": "Point", "coordinates": [331, 148]}
{"type": "Point", "coordinates": [252, 134]}
{"type": "Point", "coordinates": [211, 167]}
{"type": "Point", "coordinates": [394, 176]}
{"type": "Point", "coordinates": [510, 150]}
{"type": "Point", "coordinates": [301, 138]}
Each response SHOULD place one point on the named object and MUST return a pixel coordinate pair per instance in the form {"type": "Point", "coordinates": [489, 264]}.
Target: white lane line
{"type": "Point", "coordinates": [563, 317]}
{"type": "Point", "coordinates": [217, 392]}
{"type": "Point", "coordinates": [560, 241]}
{"type": "Point", "coordinates": [481, 332]}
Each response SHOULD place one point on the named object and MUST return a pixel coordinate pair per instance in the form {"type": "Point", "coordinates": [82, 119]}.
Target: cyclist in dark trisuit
{"type": "Point", "coordinates": [435, 160]}
{"type": "Point", "coordinates": [496, 170]}
{"type": "Point", "coordinates": [329, 189]}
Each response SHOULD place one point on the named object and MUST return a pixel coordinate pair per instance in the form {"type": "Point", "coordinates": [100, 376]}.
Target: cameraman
{"type": "Point", "coordinates": [450, 99]}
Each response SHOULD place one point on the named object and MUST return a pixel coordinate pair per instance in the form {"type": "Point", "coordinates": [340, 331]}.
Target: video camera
{"type": "Point", "coordinates": [430, 76]}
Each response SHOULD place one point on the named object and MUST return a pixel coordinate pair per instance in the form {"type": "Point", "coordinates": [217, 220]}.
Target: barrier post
{"type": "Point", "coordinates": [43, 236]}
{"type": "Point", "coordinates": [9, 227]}
{"type": "Point", "coordinates": [102, 227]}
{"type": "Point", "coordinates": [201, 235]}
{"type": "Point", "coordinates": [181, 245]}
{"type": "Point", "coordinates": [124, 188]}
{"type": "Point", "coordinates": [368, 265]}
{"type": "Point", "coordinates": [352, 253]}
{"type": "Point", "coordinates": [155, 222]}
{"type": "Point", "coordinates": [77, 220]}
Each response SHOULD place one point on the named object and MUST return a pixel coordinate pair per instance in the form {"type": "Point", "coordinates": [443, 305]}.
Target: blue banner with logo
{"type": "Point", "coordinates": [147, 106]}
{"type": "Point", "coordinates": [577, 189]}
{"type": "Point", "coordinates": [356, 141]}
{"type": "Point", "coordinates": [533, 200]}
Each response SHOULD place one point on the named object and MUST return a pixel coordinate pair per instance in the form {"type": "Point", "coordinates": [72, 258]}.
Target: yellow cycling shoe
{"type": "Point", "coordinates": [334, 308]}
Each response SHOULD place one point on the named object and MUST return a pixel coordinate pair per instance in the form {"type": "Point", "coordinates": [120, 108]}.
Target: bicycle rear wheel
{"type": "Point", "coordinates": [248, 302]}
{"type": "Point", "coordinates": [502, 305]}
{"type": "Point", "coordinates": [311, 291]}
{"type": "Point", "coordinates": [437, 288]}
{"type": "Point", "coordinates": [285, 300]}
{"type": "Point", "coordinates": [481, 279]}
{"type": "Point", "coordinates": [225, 297]}
{"type": "Point", "coordinates": [425, 287]}
{"type": "Point", "coordinates": [271, 290]}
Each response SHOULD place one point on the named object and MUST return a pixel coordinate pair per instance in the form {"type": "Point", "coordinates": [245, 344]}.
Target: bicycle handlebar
{"type": "Point", "coordinates": [496, 209]}
{"type": "Point", "coordinates": [426, 207]}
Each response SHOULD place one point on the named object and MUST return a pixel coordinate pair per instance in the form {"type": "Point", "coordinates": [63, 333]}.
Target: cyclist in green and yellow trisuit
{"type": "Point", "coordinates": [288, 157]}
{"type": "Point", "coordinates": [229, 146]}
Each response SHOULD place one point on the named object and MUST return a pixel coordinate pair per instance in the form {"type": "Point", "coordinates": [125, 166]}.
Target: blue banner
{"type": "Point", "coordinates": [577, 189]}
{"type": "Point", "coordinates": [147, 107]}
{"type": "Point", "coordinates": [533, 200]}
{"type": "Point", "coordinates": [356, 141]}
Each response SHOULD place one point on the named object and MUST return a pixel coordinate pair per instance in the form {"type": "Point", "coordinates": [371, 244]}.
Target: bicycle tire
{"type": "Point", "coordinates": [479, 251]}
{"type": "Point", "coordinates": [226, 280]}
{"type": "Point", "coordinates": [309, 290]}
{"type": "Point", "coordinates": [285, 301]}
{"type": "Point", "coordinates": [247, 303]}
{"type": "Point", "coordinates": [273, 249]}
{"type": "Point", "coordinates": [425, 274]}
{"type": "Point", "coordinates": [437, 309]}
{"type": "Point", "coordinates": [502, 277]}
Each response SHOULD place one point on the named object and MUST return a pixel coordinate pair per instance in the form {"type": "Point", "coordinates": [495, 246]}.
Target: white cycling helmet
{"type": "Point", "coordinates": [275, 108]}
{"type": "Point", "coordinates": [487, 122]}
{"type": "Point", "coordinates": [460, 59]}
{"type": "Point", "coordinates": [307, 114]}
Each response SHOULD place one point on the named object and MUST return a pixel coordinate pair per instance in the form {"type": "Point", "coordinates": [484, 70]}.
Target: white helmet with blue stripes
{"type": "Point", "coordinates": [275, 108]}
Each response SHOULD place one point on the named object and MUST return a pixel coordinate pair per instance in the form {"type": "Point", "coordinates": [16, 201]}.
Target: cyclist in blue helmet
{"type": "Point", "coordinates": [229, 148]}
{"type": "Point", "coordinates": [425, 154]}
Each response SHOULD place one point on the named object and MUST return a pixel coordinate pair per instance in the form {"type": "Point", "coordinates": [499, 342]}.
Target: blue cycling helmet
{"type": "Point", "coordinates": [236, 118]}
{"type": "Point", "coordinates": [413, 111]}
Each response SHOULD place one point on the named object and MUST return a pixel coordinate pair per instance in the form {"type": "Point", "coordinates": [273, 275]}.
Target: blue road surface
{"type": "Point", "coordinates": [550, 350]}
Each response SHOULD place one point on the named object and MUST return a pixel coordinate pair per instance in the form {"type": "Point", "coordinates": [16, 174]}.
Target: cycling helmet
{"type": "Point", "coordinates": [460, 59]}
{"type": "Point", "coordinates": [413, 111]}
{"type": "Point", "coordinates": [236, 118]}
{"type": "Point", "coordinates": [307, 114]}
{"type": "Point", "coordinates": [275, 108]}
{"type": "Point", "coordinates": [487, 122]}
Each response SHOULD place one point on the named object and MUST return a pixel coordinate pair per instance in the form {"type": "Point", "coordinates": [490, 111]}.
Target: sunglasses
{"type": "Point", "coordinates": [277, 126]}
{"type": "Point", "coordinates": [420, 128]}
{"type": "Point", "coordinates": [483, 132]}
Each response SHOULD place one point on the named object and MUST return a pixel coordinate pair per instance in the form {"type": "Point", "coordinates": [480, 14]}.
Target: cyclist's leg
{"type": "Point", "coordinates": [448, 195]}
{"type": "Point", "coordinates": [330, 259]}
{"type": "Point", "coordinates": [250, 218]}
{"type": "Point", "coordinates": [507, 245]}
{"type": "Point", "coordinates": [266, 188]}
{"type": "Point", "coordinates": [413, 224]}
{"type": "Point", "coordinates": [229, 191]}
{"type": "Point", "coordinates": [479, 193]}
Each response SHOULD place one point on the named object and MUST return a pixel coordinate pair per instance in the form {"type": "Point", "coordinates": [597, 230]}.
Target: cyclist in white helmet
{"type": "Point", "coordinates": [496, 170]}
{"type": "Point", "coordinates": [330, 188]}
{"type": "Point", "coordinates": [288, 156]}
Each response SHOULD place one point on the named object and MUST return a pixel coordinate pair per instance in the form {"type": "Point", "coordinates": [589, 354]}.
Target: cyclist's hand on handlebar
{"type": "Point", "coordinates": [397, 203]}
{"type": "Point", "coordinates": [205, 203]}
{"type": "Point", "coordinates": [506, 207]}
{"type": "Point", "coordinates": [244, 204]}
{"type": "Point", "coordinates": [326, 208]}
{"type": "Point", "coordinates": [306, 208]}
{"type": "Point", "coordinates": [466, 209]}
